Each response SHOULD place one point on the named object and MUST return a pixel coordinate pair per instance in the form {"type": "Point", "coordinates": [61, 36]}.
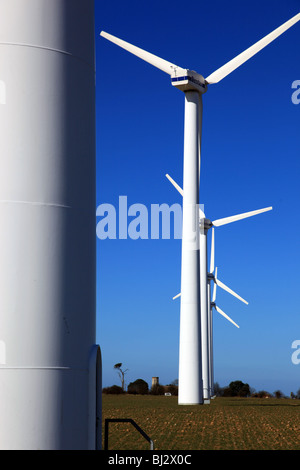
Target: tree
{"type": "Point", "coordinates": [244, 391]}
{"type": "Point", "coordinates": [278, 394]}
{"type": "Point", "coordinates": [262, 394]}
{"type": "Point", "coordinates": [121, 374]}
{"type": "Point", "coordinates": [172, 388]}
{"type": "Point", "coordinates": [138, 387]}
{"type": "Point", "coordinates": [239, 389]}
{"type": "Point", "coordinates": [157, 389]}
{"type": "Point", "coordinates": [114, 389]}
{"type": "Point", "coordinates": [218, 390]}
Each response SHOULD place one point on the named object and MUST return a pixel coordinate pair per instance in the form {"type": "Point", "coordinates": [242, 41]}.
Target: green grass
{"type": "Point", "coordinates": [225, 424]}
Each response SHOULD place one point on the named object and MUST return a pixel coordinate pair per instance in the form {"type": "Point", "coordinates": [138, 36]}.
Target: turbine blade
{"type": "Point", "coordinates": [227, 289]}
{"type": "Point", "coordinates": [152, 59]}
{"type": "Point", "coordinates": [214, 293]}
{"type": "Point", "coordinates": [226, 316]}
{"type": "Point", "coordinates": [234, 218]}
{"type": "Point", "coordinates": [201, 213]}
{"type": "Point", "coordinates": [226, 69]}
{"type": "Point", "coordinates": [215, 287]}
{"type": "Point", "coordinates": [179, 189]}
{"type": "Point", "coordinates": [176, 296]}
{"type": "Point", "coordinates": [212, 251]}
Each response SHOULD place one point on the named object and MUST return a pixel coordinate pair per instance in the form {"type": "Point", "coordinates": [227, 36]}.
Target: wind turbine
{"type": "Point", "coordinates": [204, 225]}
{"type": "Point", "coordinates": [212, 305]}
{"type": "Point", "coordinates": [193, 85]}
{"type": "Point", "coordinates": [205, 279]}
{"type": "Point", "coordinates": [50, 364]}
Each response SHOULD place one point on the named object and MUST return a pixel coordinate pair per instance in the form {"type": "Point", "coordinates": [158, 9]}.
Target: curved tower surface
{"type": "Point", "coordinates": [48, 355]}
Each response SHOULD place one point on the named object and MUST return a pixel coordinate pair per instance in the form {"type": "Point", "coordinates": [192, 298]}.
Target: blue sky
{"type": "Point", "coordinates": [250, 160]}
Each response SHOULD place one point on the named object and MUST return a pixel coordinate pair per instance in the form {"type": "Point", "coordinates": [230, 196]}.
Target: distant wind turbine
{"type": "Point", "coordinates": [205, 278]}
{"type": "Point", "coordinates": [193, 85]}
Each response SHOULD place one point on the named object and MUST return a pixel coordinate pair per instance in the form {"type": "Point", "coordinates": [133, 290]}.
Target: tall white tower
{"type": "Point", "coordinates": [50, 366]}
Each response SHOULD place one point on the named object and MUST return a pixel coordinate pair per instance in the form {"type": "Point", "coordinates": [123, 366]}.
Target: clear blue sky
{"type": "Point", "coordinates": [250, 160]}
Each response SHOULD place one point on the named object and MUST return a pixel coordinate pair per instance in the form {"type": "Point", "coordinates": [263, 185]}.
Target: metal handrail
{"type": "Point", "coordinates": [121, 420]}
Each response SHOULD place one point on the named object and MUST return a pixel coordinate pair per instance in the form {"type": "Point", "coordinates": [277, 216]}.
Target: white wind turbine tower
{"type": "Point", "coordinates": [50, 364]}
{"type": "Point", "coordinates": [193, 85]}
{"type": "Point", "coordinates": [205, 278]}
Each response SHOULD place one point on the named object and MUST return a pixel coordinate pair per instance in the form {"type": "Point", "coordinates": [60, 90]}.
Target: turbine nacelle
{"type": "Point", "coordinates": [204, 223]}
{"type": "Point", "coordinates": [188, 80]}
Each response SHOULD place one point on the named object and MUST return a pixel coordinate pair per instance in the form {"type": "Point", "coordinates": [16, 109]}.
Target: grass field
{"type": "Point", "coordinates": [225, 424]}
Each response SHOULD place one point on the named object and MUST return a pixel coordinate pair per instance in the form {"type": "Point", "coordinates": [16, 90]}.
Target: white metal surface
{"type": "Point", "coordinates": [204, 312]}
{"type": "Point", "coordinates": [190, 369]}
{"type": "Point", "coordinates": [225, 316]}
{"type": "Point", "coordinates": [179, 189]}
{"type": "Point", "coordinates": [224, 287]}
{"type": "Point", "coordinates": [234, 218]}
{"type": "Point", "coordinates": [213, 303]}
{"type": "Point", "coordinates": [210, 340]}
{"type": "Point", "coordinates": [47, 218]}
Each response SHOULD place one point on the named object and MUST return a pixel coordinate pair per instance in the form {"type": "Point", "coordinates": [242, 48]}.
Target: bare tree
{"type": "Point", "coordinates": [121, 373]}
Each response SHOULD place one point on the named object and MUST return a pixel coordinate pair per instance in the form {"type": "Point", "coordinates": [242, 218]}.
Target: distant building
{"type": "Point", "coordinates": [155, 381]}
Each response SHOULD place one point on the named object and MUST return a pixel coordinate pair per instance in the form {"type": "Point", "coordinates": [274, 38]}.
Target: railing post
{"type": "Point", "coordinates": [121, 420]}
{"type": "Point", "coordinates": [106, 435]}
